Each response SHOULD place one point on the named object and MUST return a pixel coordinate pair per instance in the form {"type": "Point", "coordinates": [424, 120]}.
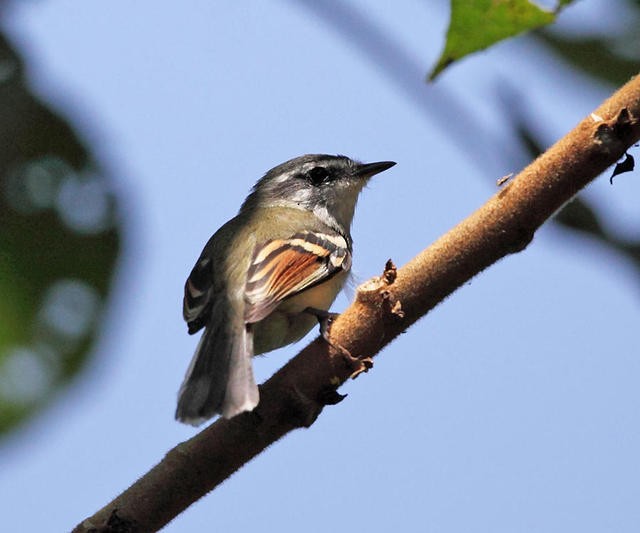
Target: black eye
{"type": "Point", "coordinates": [318, 175]}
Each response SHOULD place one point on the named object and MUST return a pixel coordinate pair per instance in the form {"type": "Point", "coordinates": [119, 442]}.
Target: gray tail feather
{"type": "Point", "coordinates": [220, 377]}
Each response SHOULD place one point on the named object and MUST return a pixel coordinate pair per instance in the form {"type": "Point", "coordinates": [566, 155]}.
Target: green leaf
{"type": "Point", "coordinates": [477, 24]}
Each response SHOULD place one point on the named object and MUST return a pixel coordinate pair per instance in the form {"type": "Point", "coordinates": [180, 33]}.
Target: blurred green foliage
{"type": "Point", "coordinates": [59, 241]}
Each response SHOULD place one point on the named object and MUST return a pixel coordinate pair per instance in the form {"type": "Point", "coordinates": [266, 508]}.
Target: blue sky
{"type": "Point", "coordinates": [512, 407]}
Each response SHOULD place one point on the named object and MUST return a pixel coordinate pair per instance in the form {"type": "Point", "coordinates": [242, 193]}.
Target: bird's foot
{"type": "Point", "coordinates": [325, 320]}
{"type": "Point", "coordinates": [357, 365]}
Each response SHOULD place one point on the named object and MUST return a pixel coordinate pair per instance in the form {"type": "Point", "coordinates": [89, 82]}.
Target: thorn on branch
{"type": "Point", "coordinates": [616, 130]}
{"type": "Point", "coordinates": [369, 291]}
{"type": "Point", "coordinates": [623, 120]}
{"type": "Point", "coordinates": [115, 524]}
{"type": "Point", "coordinates": [330, 396]}
{"type": "Point", "coordinates": [356, 365]}
{"type": "Point", "coordinates": [504, 179]}
{"type": "Point", "coordinates": [390, 272]}
{"type": "Point", "coordinates": [394, 308]}
{"type": "Point", "coordinates": [362, 365]}
{"type": "Point", "coordinates": [397, 310]}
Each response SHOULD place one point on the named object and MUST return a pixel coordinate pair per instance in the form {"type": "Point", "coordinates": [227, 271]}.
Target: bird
{"type": "Point", "coordinates": [267, 276]}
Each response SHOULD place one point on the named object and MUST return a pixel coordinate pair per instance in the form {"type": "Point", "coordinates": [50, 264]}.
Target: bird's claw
{"type": "Point", "coordinates": [358, 365]}
{"type": "Point", "coordinates": [325, 320]}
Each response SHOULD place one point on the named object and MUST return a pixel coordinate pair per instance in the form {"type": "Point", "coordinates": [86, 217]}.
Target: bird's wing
{"type": "Point", "coordinates": [198, 295]}
{"type": "Point", "coordinates": [282, 268]}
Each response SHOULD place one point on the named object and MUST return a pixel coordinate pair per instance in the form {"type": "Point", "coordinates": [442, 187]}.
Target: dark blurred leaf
{"type": "Point", "coordinates": [596, 56]}
{"type": "Point", "coordinates": [59, 241]}
{"type": "Point", "coordinates": [623, 166]}
{"type": "Point", "coordinates": [478, 24]}
{"type": "Point", "coordinates": [579, 216]}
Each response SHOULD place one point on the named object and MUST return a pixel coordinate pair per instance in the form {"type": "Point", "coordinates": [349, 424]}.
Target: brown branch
{"type": "Point", "coordinates": [384, 308]}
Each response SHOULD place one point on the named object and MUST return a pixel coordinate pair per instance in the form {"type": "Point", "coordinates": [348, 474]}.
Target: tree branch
{"type": "Point", "coordinates": [384, 308]}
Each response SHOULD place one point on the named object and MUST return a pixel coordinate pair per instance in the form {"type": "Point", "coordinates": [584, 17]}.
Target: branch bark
{"type": "Point", "coordinates": [384, 308]}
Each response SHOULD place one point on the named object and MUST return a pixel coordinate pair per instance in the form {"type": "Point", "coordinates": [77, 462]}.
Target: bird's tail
{"type": "Point", "coordinates": [219, 379]}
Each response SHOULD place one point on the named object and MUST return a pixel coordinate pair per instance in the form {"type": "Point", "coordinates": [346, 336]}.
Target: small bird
{"type": "Point", "coordinates": [266, 276]}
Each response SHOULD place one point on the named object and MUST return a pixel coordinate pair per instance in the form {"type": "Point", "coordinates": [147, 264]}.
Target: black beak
{"type": "Point", "coordinates": [367, 170]}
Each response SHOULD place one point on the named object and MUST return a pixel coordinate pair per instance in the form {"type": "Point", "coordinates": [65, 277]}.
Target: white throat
{"type": "Point", "coordinates": [338, 212]}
